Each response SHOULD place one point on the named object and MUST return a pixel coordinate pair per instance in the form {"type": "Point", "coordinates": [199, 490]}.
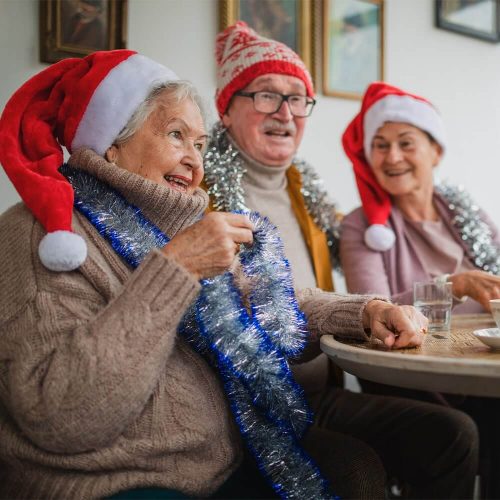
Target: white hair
{"type": "Point", "coordinates": [177, 89]}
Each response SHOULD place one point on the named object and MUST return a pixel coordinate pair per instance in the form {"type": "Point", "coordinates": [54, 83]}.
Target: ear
{"type": "Point", "coordinates": [111, 154]}
{"type": "Point", "coordinates": [226, 119]}
{"type": "Point", "coordinates": [438, 154]}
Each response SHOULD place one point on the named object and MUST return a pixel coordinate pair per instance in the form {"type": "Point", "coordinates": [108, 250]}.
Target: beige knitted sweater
{"type": "Point", "coordinates": [98, 394]}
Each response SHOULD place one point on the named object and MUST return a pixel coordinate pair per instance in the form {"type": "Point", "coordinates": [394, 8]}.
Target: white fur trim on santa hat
{"type": "Point", "coordinates": [62, 251]}
{"type": "Point", "coordinates": [115, 100]}
{"type": "Point", "coordinates": [405, 109]}
{"type": "Point", "coordinates": [379, 238]}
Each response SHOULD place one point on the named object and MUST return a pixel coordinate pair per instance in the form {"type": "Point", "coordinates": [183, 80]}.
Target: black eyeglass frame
{"type": "Point", "coordinates": [284, 98]}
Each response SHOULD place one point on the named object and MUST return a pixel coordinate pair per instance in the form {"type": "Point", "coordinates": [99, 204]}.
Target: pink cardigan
{"type": "Point", "coordinates": [394, 271]}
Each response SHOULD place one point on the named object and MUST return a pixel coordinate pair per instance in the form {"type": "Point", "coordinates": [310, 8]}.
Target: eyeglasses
{"type": "Point", "coordinates": [270, 102]}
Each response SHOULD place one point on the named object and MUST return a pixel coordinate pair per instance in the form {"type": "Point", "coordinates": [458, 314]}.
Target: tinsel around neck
{"type": "Point", "coordinates": [249, 349]}
{"type": "Point", "coordinates": [473, 230]}
{"type": "Point", "coordinates": [224, 171]}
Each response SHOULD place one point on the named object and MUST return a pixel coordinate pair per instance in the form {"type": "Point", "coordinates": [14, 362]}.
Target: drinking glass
{"type": "Point", "coordinates": [434, 301]}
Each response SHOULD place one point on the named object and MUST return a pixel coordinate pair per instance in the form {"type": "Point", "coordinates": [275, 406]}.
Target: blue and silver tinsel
{"type": "Point", "coordinates": [248, 344]}
{"type": "Point", "coordinates": [474, 231]}
{"type": "Point", "coordinates": [224, 171]}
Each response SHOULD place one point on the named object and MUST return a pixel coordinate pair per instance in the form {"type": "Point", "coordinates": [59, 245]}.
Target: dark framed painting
{"type": "Point", "coordinates": [476, 18]}
{"type": "Point", "coordinates": [353, 46]}
{"type": "Point", "coordinates": [288, 21]}
{"type": "Point", "coordinates": [75, 28]}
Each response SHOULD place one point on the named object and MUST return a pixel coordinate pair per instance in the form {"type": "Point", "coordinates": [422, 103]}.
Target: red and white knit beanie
{"type": "Point", "coordinates": [74, 103]}
{"type": "Point", "coordinates": [242, 55]}
{"type": "Point", "coordinates": [384, 103]}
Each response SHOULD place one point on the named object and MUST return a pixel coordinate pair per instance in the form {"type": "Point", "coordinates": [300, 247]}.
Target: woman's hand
{"type": "Point", "coordinates": [208, 247]}
{"type": "Point", "coordinates": [478, 285]}
{"type": "Point", "coordinates": [395, 326]}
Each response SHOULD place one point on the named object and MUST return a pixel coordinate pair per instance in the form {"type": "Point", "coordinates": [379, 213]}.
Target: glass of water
{"type": "Point", "coordinates": [434, 301]}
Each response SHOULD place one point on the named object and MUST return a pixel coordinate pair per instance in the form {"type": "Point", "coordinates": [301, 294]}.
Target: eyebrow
{"type": "Point", "coordinates": [185, 126]}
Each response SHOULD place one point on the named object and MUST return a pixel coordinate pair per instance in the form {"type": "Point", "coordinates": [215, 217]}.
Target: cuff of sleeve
{"type": "Point", "coordinates": [338, 315]}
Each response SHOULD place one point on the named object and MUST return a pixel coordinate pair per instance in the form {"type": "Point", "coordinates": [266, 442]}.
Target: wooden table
{"type": "Point", "coordinates": [455, 363]}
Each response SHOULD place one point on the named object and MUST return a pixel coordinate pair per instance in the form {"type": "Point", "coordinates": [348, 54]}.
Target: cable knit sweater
{"type": "Point", "coordinates": [98, 394]}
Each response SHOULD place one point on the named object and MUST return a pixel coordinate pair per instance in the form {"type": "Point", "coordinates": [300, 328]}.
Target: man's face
{"type": "Point", "coordinates": [271, 139]}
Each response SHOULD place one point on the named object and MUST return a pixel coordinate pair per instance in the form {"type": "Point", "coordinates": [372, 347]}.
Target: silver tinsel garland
{"type": "Point", "coordinates": [248, 349]}
{"type": "Point", "coordinates": [224, 171]}
{"type": "Point", "coordinates": [473, 230]}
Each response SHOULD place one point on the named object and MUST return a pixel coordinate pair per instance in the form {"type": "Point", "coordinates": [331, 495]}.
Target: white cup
{"type": "Point", "coordinates": [495, 310]}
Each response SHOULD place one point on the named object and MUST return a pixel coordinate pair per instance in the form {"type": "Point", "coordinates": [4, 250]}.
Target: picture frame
{"type": "Point", "coordinates": [76, 28]}
{"type": "Point", "coordinates": [353, 46]}
{"type": "Point", "coordinates": [474, 18]}
{"type": "Point", "coordinates": [289, 21]}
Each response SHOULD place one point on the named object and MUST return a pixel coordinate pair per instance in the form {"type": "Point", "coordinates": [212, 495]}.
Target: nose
{"type": "Point", "coordinates": [284, 113]}
{"type": "Point", "coordinates": [193, 157]}
{"type": "Point", "coordinates": [394, 155]}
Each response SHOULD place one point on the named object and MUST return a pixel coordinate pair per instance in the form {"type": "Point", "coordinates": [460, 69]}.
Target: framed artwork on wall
{"type": "Point", "coordinates": [289, 21]}
{"type": "Point", "coordinates": [353, 46]}
{"type": "Point", "coordinates": [75, 28]}
{"type": "Point", "coordinates": [476, 18]}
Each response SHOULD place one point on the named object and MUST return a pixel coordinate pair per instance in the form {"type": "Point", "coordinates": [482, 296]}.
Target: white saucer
{"type": "Point", "coordinates": [489, 336]}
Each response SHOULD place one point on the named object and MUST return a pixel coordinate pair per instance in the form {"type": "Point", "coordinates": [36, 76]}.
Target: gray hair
{"type": "Point", "coordinates": [177, 89]}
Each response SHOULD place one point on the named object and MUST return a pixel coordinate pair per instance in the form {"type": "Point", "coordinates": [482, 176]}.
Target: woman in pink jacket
{"type": "Point", "coordinates": [409, 229]}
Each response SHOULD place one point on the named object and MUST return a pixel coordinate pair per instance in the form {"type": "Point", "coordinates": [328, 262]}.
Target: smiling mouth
{"type": "Point", "coordinates": [397, 173]}
{"type": "Point", "coordinates": [277, 133]}
{"type": "Point", "coordinates": [178, 182]}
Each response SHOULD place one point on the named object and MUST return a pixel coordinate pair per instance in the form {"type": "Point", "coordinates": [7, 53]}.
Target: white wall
{"type": "Point", "coordinates": [460, 75]}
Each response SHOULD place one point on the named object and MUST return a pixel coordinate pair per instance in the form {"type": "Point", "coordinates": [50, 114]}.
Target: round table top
{"type": "Point", "coordinates": [455, 362]}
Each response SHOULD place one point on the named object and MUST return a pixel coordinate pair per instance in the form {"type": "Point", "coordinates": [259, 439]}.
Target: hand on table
{"type": "Point", "coordinates": [208, 247]}
{"type": "Point", "coordinates": [395, 326]}
{"type": "Point", "coordinates": [478, 285]}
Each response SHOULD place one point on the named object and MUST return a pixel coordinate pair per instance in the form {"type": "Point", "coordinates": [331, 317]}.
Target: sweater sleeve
{"type": "Point", "coordinates": [80, 368]}
{"type": "Point", "coordinates": [364, 268]}
{"type": "Point", "coordinates": [334, 314]}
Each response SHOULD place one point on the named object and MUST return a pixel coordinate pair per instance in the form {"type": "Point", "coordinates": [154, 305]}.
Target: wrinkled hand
{"type": "Point", "coordinates": [208, 247]}
{"type": "Point", "coordinates": [395, 326]}
{"type": "Point", "coordinates": [478, 285]}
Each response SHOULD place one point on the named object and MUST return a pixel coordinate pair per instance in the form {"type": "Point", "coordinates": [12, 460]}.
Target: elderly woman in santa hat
{"type": "Point", "coordinates": [128, 357]}
{"type": "Point", "coordinates": [409, 229]}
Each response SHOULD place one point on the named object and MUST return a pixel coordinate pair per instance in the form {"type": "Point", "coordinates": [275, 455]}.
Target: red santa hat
{"type": "Point", "coordinates": [242, 55]}
{"type": "Point", "coordinates": [74, 103]}
{"type": "Point", "coordinates": [384, 103]}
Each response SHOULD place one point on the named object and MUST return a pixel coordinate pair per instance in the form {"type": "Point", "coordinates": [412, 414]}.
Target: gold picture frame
{"type": "Point", "coordinates": [76, 28]}
{"type": "Point", "coordinates": [353, 46]}
{"type": "Point", "coordinates": [289, 21]}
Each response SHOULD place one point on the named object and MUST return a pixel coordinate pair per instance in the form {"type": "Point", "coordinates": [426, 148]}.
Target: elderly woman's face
{"type": "Point", "coordinates": [403, 157]}
{"type": "Point", "coordinates": [168, 148]}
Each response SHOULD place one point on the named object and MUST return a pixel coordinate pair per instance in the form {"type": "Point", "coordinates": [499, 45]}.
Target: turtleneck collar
{"type": "Point", "coordinates": [170, 210]}
{"type": "Point", "coordinates": [260, 175]}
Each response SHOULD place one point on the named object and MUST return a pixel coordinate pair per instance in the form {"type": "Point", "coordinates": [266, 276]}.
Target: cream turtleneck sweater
{"type": "Point", "coordinates": [266, 192]}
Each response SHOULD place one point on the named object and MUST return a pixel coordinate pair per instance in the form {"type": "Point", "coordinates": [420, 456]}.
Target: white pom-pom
{"type": "Point", "coordinates": [62, 251]}
{"type": "Point", "coordinates": [379, 237]}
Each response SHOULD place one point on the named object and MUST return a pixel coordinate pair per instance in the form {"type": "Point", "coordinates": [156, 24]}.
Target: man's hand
{"type": "Point", "coordinates": [395, 326]}
{"type": "Point", "coordinates": [207, 248]}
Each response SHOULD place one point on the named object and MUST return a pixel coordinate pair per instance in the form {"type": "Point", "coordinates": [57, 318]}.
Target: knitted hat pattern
{"type": "Point", "coordinates": [243, 55]}
{"type": "Point", "coordinates": [74, 103]}
{"type": "Point", "coordinates": [384, 103]}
